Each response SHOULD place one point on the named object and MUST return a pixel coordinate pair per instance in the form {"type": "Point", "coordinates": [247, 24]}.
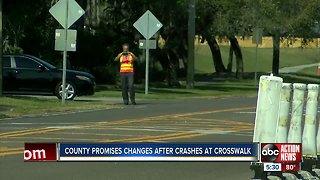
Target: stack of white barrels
{"type": "Point", "coordinates": [287, 113]}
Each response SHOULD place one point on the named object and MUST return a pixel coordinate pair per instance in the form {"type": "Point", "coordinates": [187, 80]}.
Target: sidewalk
{"type": "Point", "coordinates": [106, 100]}
{"type": "Point", "coordinates": [294, 69]}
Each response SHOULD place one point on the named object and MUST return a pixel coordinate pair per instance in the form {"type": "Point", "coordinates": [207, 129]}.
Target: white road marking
{"type": "Point", "coordinates": [204, 131]}
{"type": "Point", "coordinates": [65, 127]}
{"type": "Point", "coordinates": [144, 129]}
{"type": "Point", "coordinates": [20, 123]}
{"type": "Point", "coordinates": [42, 123]}
{"type": "Point", "coordinates": [245, 112]}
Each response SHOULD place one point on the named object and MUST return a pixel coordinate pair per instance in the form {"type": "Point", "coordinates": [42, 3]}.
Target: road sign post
{"type": "Point", "coordinates": [64, 70]}
{"type": "Point", "coordinates": [147, 25]}
{"type": "Point", "coordinates": [146, 88]}
{"type": "Point", "coordinates": [257, 39]}
{"type": "Point", "coordinates": [66, 12]}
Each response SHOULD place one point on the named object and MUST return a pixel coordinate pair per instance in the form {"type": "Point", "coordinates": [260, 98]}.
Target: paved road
{"type": "Point", "coordinates": [194, 120]}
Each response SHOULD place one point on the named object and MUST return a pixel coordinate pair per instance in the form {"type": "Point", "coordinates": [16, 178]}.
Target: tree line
{"type": "Point", "coordinates": [29, 28]}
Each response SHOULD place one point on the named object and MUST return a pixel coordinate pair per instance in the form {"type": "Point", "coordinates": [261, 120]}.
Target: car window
{"type": "Point", "coordinates": [23, 62]}
{"type": "Point", "coordinates": [6, 62]}
{"type": "Point", "coordinates": [44, 63]}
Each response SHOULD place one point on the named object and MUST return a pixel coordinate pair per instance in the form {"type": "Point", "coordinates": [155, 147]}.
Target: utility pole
{"type": "Point", "coordinates": [1, 74]}
{"type": "Point", "coordinates": [191, 36]}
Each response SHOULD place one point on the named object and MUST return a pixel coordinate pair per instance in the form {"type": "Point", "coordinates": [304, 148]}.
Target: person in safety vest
{"type": "Point", "coordinates": [127, 59]}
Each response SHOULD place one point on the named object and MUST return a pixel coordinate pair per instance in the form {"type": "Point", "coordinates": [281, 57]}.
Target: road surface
{"type": "Point", "coordinates": [193, 120]}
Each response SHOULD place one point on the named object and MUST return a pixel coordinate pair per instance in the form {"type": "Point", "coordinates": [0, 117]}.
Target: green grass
{"type": "Point", "coordinates": [309, 71]}
{"type": "Point", "coordinates": [217, 89]}
{"type": "Point", "coordinates": [288, 57]}
{"type": "Point", "coordinates": [17, 106]}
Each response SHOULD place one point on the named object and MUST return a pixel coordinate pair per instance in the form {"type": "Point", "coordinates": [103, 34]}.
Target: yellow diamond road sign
{"type": "Point", "coordinates": [58, 11]}
{"type": "Point", "coordinates": [147, 25]}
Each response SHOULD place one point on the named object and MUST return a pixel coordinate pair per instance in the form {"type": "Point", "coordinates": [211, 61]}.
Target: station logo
{"type": "Point", "coordinates": [281, 152]}
{"type": "Point", "coordinates": [269, 153]}
{"type": "Point", "coordinates": [40, 152]}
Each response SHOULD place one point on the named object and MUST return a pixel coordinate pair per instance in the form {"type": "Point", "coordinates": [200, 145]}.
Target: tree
{"type": "Point", "coordinates": [281, 18]}
{"type": "Point", "coordinates": [1, 76]}
{"type": "Point", "coordinates": [239, 59]}
{"type": "Point", "coordinates": [108, 23]}
{"type": "Point", "coordinates": [191, 38]}
{"type": "Point", "coordinates": [207, 15]}
{"type": "Point", "coordinates": [114, 25]}
{"type": "Point", "coordinates": [232, 24]}
{"type": "Point", "coordinates": [222, 19]}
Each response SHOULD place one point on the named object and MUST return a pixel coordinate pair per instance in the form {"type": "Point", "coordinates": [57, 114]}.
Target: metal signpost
{"type": "Point", "coordinates": [316, 29]}
{"type": "Point", "coordinates": [147, 25]}
{"type": "Point", "coordinates": [66, 12]}
{"type": "Point", "coordinates": [257, 39]}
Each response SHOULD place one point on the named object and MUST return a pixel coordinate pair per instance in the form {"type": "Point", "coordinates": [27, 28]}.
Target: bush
{"type": "Point", "coordinates": [106, 74]}
{"type": "Point", "coordinates": [12, 50]}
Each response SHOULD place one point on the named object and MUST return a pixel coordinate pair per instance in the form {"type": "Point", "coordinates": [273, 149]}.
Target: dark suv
{"type": "Point", "coordinates": [25, 74]}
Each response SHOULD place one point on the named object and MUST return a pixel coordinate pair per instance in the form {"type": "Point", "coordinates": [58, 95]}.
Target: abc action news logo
{"type": "Point", "coordinates": [40, 152]}
{"type": "Point", "coordinates": [281, 152]}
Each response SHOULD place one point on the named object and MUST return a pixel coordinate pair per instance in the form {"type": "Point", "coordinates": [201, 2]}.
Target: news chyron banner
{"type": "Point", "coordinates": [281, 156]}
{"type": "Point", "coordinates": [40, 152]}
{"type": "Point", "coordinates": [248, 152]}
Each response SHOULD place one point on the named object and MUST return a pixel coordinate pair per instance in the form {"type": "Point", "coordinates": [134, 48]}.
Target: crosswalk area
{"type": "Point", "coordinates": [165, 128]}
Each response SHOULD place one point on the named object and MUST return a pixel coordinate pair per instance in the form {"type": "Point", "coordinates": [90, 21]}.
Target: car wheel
{"type": "Point", "coordinates": [71, 91]}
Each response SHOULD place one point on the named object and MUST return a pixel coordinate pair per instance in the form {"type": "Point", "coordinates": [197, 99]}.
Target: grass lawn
{"type": "Point", "coordinates": [288, 57]}
{"type": "Point", "coordinates": [309, 71]}
{"type": "Point", "coordinates": [16, 106]}
{"type": "Point", "coordinates": [225, 88]}
{"type": "Point", "coordinates": [216, 89]}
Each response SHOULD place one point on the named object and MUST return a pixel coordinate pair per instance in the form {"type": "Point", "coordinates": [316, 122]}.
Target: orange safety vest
{"type": "Point", "coordinates": [126, 62]}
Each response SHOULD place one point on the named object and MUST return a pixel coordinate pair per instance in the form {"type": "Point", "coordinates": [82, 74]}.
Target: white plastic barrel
{"type": "Point", "coordinates": [295, 130]}
{"type": "Point", "coordinates": [267, 112]}
{"type": "Point", "coordinates": [309, 140]}
{"type": "Point", "coordinates": [318, 141]}
{"type": "Point", "coordinates": [283, 121]}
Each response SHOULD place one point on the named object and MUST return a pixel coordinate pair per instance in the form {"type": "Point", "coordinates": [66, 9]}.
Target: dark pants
{"type": "Point", "coordinates": [127, 83]}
